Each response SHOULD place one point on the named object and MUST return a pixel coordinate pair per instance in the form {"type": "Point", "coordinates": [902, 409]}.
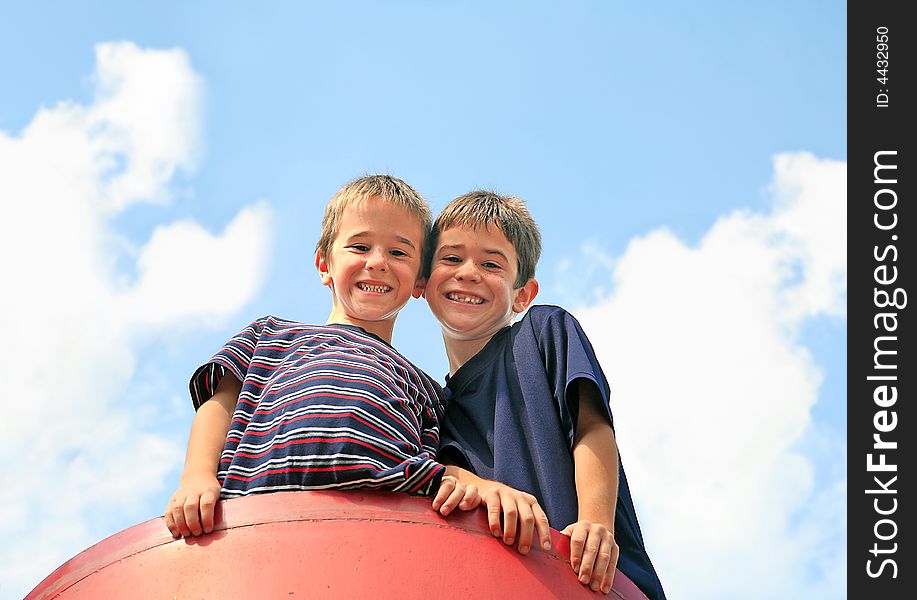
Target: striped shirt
{"type": "Point", "coordinates": [323, 407]}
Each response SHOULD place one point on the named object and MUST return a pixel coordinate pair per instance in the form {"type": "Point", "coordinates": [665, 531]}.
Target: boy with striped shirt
{"type": "Point", "coordinates": [290, 406]}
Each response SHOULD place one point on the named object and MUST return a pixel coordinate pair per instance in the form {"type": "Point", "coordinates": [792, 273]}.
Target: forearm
{"type": "Point", "coordinates": [593, 550]}
{"type": "Point", "coordinates": [595, 459]}
{"type": "Point", "coordinates": [190, 511]}
{"type": "Point", "coordinates": [209, 429]}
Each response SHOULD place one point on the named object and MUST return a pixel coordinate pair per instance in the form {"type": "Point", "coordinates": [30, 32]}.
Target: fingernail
{"type": "Point", "coordinates": [583, 579]}
{"type": "Point", "coordinates": [546, 545]}
{"type": "Point", "coordinates": [510, 540]}
{"type": "Point", "coordinates": [595, 587]}
{"type": "Point", "coordinates": [523, 549]}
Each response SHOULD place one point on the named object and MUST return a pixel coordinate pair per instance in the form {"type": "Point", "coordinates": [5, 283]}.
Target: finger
{"type": "Point", "coordinates": [192, 515]}
{"type": "Point", "coordinates": [568, 530]}
{"type": "Point", "coordinates": [170, 521]}
{"type": "Point", "coordinates": [452, 501]}
{"type": "Point", "coordinates": [494, 506]}
{"type": "Point", "coordinates": [602, 562]}
{"type": "Point", "coordinates": [577, 545]}
{"type": "Point", "coordinates": [472, 498]}
{"type": "Point", "coordinates": [510, 515]}
{"type": "Point", "coordinates": [542, 526]}
{"type": "Point", "coordinates": [445, 488]}
{"type": "Point", "coordinates": [526, 527]}
{"type": "Point", "coordinates": [178, 517]}
{"type": "Point", "coordinates": [590, 553]}
{"type": "Point", "coordinates": [208, 505]}
{"type": "Point", "coordinates": [608, 581]}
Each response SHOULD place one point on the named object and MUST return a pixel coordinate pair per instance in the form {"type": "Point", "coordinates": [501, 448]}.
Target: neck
{"type": "Point", "coordinates": [461, 351]}
{"type": "Point", "coordinates": [383, 329]}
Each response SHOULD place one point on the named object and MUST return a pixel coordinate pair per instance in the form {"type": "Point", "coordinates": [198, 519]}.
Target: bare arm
{"type": "Point", "coordinates": [190, 510]}
{"type": "Point", "coordinates": [593, 551]}
{"type": "Point", "coordinates": [595, 461]}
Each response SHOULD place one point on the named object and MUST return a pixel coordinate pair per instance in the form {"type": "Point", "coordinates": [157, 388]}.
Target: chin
{"type": "Point", "coordinates": [462, 331]}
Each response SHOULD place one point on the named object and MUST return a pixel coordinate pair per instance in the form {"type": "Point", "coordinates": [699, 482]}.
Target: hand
{"type": "Point", "coordinates": [190, 510]}
{"type": "Point", "coordinates": [452, 493]}
{"type": "Point", "coordinates": [593, 554]}
{"type": "Point", "coordinates": [520, 511]}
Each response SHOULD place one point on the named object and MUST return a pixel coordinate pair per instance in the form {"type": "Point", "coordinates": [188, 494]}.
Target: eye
{"type": "Point", "coordinates": [360, 247]}
{"type": "Point", "coordinates": [398, 253]}
{"type": "Point", "coordinates": [451, 259]}
{"type": "Point", "coordinates": [491, 265]}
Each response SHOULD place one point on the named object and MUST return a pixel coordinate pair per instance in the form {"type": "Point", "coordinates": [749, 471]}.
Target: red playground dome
{"type": "Point", "coordinates": [322, 545]}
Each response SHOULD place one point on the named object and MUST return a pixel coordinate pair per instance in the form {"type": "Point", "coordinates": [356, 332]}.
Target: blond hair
{"type": "Point", "coordinates": [484, 208]}
{"type": "Point", "coordinates": [388, 188]}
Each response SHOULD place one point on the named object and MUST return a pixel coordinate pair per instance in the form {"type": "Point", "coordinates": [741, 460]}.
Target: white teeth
{"type": "Point", "coordinates": [465, 299]}
{"type": "Point", "coordinates": [379, 289]}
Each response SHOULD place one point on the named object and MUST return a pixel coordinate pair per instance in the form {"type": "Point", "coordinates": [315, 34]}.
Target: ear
{"type": "Point", "coordinates": [420, 286]}
{"type": "Point", "coordinates": [323, 268]}
{"type": "Point", "coordinates": [524, 296]}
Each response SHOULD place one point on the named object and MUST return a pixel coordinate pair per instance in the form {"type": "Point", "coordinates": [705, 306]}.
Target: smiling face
{"type": "Point", "coordinates": [470, 289]}
{"type": "Point", "coordinates": [373, 267]}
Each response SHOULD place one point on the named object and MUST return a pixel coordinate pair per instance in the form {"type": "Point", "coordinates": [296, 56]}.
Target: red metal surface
{"type": "Point", "coordinates": [322, 545]}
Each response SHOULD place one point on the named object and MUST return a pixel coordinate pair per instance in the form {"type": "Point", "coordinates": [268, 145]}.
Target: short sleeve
{"type": "Point", "coordinates": [569, 356]}
{"type": "Point", "coordinates": [234, 357]}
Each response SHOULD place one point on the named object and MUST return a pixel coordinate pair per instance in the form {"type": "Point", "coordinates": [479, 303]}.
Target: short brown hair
{"type": "Point", "coordinates": [484, 208]}
{"type": "Point", "coordinates": [386, 187]}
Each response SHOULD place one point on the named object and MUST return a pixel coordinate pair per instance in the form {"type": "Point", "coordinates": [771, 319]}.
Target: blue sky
{"type": "Point", "coordinates": [651, 141]}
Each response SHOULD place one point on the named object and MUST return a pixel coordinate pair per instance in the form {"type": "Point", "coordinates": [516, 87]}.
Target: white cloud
{"type": "Point", "coordinates": [713, 391]}
{"type": "Point", "coordinates": [74, 329]}
{"type": "Point", "coordinates": [172, 287]}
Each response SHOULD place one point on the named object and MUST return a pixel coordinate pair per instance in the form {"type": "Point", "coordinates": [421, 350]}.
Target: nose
{"type": "Point", "coordinates": [468, 271]}
{"type": "Point", "coordinates": [377, 260]}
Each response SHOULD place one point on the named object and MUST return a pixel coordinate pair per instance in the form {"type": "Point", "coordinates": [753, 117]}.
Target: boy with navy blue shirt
{"type": "Point", "coordinates": [527, 401]}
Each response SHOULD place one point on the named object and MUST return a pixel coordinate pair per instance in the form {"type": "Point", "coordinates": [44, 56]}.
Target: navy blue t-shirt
{"type": "Point", "coordinates": [511, 417]}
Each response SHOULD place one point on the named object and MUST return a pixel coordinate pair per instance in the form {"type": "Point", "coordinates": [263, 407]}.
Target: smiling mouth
{"type": "Point", "coordinates": [379, 289]}
{"type": "Point", "coordinates": [464, 299]}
